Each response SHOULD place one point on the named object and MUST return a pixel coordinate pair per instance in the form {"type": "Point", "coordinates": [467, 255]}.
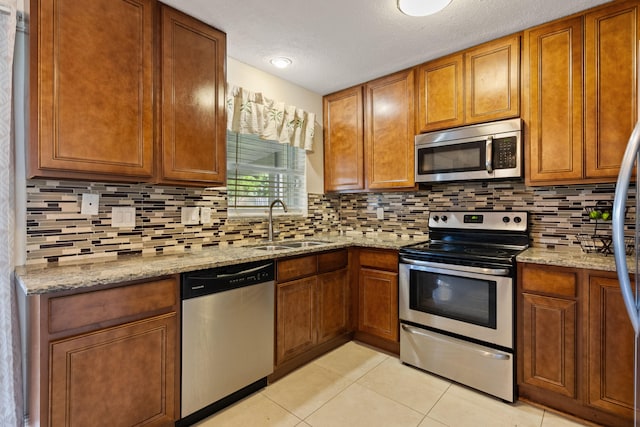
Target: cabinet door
{"type": "Point", "coordinates": [91, 89]}
{"type": "Point", "coordinates": [121, 376]}
{"type": "Point", "coordinates": [390, 132]}
{"type": "Point", "coordinates": [295, 318]}
{"type": "Point", "coordinates": [553, 75]}
{"type": "Point", "coordinates": [193, 138]}
{"type": "Point", "coordinates": [611, 79]}
{"type": "Point", "coordinates": [549, 343]}
{"type": "Point", "coordinates": [492, 81]}
{"type": "Point", "coordinates": [441, 94]}
{"type": "Point", "coordinates": [333, 304]}
{"type": "Point", "coordinates": [344, 140]}
{"type": "Point", "coordinates": [378, 303]}
{"type": "Point", "coordinates": [611, 349]}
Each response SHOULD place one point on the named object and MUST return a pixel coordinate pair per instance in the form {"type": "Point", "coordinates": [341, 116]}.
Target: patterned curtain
{"type": "Point", "coordinates": [252, 113]}
{"type": "Point", "coordinates": [11, 410]}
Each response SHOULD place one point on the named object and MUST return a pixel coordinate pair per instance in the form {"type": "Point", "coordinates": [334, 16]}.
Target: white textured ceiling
{"type": "Point", "coordinates": [335, 44]}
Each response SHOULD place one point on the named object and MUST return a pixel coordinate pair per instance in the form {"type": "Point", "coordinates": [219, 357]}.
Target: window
{"type": "Point", "coordinates": [259, 171]}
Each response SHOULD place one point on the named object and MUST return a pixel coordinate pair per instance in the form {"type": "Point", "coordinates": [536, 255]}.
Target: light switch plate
{"type": "Point", "coordinates": [380, 213]}
{"type": "Point", "coordinates": [205, 215]}
{"type": "Point", "coordinates": [123, 217]}
{"type": "Point", "coordinates": [190, 215]}
{"type": "Point", "coordinates": [90, 204]}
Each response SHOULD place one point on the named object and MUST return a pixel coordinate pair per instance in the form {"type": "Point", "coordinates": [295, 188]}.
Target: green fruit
{"type": "Point", "coordinates": [594, 214]}
{"type": "Point", "coordinates": [606, 216]}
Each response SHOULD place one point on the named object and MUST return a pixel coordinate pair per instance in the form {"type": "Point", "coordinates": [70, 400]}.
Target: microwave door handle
{"type": "Point", "coordinates": [489, 155]}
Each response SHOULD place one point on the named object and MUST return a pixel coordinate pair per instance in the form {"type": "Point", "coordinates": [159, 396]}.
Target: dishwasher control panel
{"type": "Point", "coordinates": [220, 279]}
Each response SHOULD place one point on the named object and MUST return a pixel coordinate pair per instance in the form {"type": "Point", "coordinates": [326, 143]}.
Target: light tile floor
{"type": "Point", "coordinates": [355, 385]}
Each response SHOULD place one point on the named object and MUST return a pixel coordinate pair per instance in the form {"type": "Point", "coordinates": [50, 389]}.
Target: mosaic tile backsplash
{"type": "Point", "coordinates": [58, 232]}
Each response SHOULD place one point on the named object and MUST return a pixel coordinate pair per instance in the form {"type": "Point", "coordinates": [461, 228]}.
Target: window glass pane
{"type": "Point", "coordinates": [260, 171]}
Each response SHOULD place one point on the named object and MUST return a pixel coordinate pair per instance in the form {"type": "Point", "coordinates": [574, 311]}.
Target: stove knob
{"type": "Point", "coordinates": [444, 218]}
{"type": "Point", "coordinates": [505, 219]}
{"type": "Point", "coordinates": [436, 218]}
{"type": "Point", "coordinates": [517, 220]}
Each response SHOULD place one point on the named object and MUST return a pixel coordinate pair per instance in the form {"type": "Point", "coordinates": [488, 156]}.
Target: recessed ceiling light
{"type": "Point", "coordinates": [421, 7]}
{"type": "Point", "coordinates": [281, 62]}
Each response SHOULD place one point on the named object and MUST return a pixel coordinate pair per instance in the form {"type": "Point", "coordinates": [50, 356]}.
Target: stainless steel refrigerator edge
{"type": "Point", "coordinates": [629, 293]}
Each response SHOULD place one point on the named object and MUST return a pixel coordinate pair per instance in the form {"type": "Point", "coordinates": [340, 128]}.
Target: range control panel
{"type": "Point", "coordinates": [480, 220]}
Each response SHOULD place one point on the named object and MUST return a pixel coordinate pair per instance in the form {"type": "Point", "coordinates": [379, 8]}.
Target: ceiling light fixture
{"type": "Point", "coordinates": [281, 62]}
{"type": "Point", "coordinates": [421, 7]}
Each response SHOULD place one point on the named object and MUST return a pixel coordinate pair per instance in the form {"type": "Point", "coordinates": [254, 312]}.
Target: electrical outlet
{"type": "Point", "coordinates": [190, 216]}
{"type": "Point", "coordinates": [205, 216]}
{"type": "Point", "coordinates": [380, 213]}
{"type": "Point", "coordinates": [90, 204]}
{"type": "Point", "coordinates": [123, 216]}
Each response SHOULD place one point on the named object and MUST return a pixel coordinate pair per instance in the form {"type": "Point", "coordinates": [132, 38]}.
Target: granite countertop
{"type": "Point", "coordinates": [572, 257]}
{"type": "Point", "coordinates": [38, 279]}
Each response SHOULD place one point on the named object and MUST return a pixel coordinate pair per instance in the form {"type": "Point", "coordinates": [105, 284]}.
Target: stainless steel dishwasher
{"type": "Point", "coordinates": [227, 336]}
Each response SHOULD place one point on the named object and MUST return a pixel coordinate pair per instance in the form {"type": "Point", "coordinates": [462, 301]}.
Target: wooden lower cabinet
{"type": "Point", "coordinates": [378, 295]}
{"type": "Point", "coordinates": [611, 358]}
{"type": "Point", "coordinates": [575, 343]}
{"type": "Point", "coordinates": [377, 292]}
{"type": "Point", "coordinates": [106, 357]}
{"type": "Point", "coordinates": [312, 308]}
{"type": "Point", "coordinates": [295, 318]}
{"type": "Point", "coordinates": [333, 304]}
{"type": "Point", "coordinates": [115, 377]}
{"type": "Point", "coordinates": [549, 339]}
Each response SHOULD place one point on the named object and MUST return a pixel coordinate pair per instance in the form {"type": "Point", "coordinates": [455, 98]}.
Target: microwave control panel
{"type": "Point", "coordinates": [504, 153]}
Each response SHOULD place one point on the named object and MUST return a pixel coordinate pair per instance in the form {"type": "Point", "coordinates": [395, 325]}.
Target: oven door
{"type": "Point", "coordinates": [471, 302]}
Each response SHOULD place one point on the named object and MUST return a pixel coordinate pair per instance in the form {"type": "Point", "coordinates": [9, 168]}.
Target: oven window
{"type": "Point", "coordinates": [469, 156]}
{"type": "Point", "coordinates": [460, 298]}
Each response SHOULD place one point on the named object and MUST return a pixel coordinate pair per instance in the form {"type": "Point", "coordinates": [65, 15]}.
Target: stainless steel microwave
{"type": "Point", "coordinates": [478, 152]}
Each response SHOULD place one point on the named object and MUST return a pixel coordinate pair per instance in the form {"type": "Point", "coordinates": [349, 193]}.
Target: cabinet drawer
{"type": "Point", "coordinates": [88, 308]}
{"type": "Point", "coordinates": [380, 260]}
{"type": "Point", "coordinates": [330, 261]}
{"type": "Point", "coordinates": [550, 280]}
{"type": "Point", "coordinates": [293, 268]}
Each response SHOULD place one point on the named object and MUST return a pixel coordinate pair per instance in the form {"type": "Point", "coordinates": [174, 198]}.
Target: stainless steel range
{"type": "Point", "coordinates": [457, 298]}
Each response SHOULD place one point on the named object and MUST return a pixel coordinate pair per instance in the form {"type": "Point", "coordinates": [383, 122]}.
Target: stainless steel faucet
{"type": "Point", "coordinates": [275, 202]}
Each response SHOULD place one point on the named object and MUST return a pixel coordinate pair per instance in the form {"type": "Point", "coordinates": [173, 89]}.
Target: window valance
{"type": "Point", "coordinates": [252, 113]}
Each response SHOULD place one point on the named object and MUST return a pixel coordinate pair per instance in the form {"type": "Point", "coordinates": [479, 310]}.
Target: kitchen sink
{"type": "Point", "coordinates": [303, 244]}
{"type": "Point", "coordinates": [276, 246]}
{"type": "Point", "coordinates": [270, 247]}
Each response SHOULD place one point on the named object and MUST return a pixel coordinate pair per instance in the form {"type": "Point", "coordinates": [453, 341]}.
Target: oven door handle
{"type": "Point", "coordinates": [466, 268]}
{"type": "Point", "coordinates": [485, 353]}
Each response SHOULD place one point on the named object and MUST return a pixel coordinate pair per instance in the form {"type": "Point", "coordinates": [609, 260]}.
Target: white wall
{"type": "Point", "coordinates": [250, 78]}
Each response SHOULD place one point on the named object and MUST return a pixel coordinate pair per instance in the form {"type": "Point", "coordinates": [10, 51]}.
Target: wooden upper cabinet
{"type": "Point", "coordinates": [192, 146]}
{"type": "Point", "coordinates": [344, 140]}
{"type": "Point", "coordinates": [578, 129]}
{"type": "Point", "coordinates": [553, 74]}
{"type": "Point", "coordinates": [390, 131]}
{"type": "Point", "coordinates": [474, 86]}
{"type": "Point", "coordinates": [91, 89]}
{"type": "Point", "coordinates": [441, 93]}
{"type": "Point", "coordinates": [611, 86]}
{"type": "Point", "coordinates": [492, 81]}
